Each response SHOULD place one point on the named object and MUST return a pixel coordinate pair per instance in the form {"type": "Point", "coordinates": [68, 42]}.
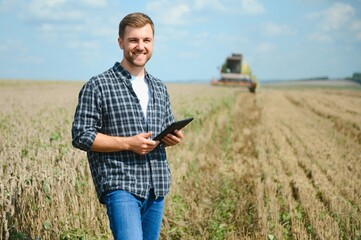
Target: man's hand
{"type": "Point", "coordinates": [173, 139]}
{"type": "Point", "coordinates": [140, 143]}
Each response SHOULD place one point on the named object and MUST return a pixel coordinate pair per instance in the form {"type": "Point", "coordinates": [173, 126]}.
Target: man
{"type": "Point", "coordinates": [118, 113]}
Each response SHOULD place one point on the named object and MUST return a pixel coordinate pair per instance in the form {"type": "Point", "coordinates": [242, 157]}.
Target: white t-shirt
{"type": "Point", "coordinates": [140, 87]}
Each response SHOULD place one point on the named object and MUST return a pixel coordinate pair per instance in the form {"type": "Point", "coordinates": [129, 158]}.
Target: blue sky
{"type": "Point", "coordinates": [280, 39]}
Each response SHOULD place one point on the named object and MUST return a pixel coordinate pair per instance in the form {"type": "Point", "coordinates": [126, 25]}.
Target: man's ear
{"type": "Point", "coordinates": [120, 42]}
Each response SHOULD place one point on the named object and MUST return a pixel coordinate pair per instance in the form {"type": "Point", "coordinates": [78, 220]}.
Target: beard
{"type": "Point", "coordinates": [137, 59]}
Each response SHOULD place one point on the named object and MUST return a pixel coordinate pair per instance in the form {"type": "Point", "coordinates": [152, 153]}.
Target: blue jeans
{"type": "Point", "coordinates": [134, 218]}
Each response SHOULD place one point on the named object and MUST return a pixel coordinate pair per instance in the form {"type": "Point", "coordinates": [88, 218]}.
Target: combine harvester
{"type": "Point", "coordinates": [235, 72]}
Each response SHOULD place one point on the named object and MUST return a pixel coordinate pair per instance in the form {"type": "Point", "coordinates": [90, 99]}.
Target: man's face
{"type": "Point", "coordinates": [137, 46]}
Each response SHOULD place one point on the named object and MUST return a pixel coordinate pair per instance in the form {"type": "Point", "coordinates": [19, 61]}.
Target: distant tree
{"type": "Point", "coordinates": [356, 77]}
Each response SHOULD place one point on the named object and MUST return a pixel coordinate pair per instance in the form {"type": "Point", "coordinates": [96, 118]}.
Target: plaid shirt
{"type": "Point", "coordinates": [108, 104]}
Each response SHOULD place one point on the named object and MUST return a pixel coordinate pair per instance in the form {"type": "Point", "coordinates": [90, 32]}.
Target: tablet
{"type": "Point", "coordinates": [178, 125]}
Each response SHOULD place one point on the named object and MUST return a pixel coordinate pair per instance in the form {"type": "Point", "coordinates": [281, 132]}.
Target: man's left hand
{"type": "Point", "coordinates": [173, 139]}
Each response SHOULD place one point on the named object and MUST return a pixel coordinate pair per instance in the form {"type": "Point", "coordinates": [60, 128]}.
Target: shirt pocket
{"type": "Point", "coordinates": [158, 107]}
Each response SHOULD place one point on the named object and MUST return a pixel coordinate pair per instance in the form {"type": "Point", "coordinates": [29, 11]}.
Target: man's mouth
{"type": "Point", "coordinates": [139, 53]}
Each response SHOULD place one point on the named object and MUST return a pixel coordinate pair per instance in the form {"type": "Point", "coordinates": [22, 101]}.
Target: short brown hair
{"type": "Point", "coordinates": [136, 20]}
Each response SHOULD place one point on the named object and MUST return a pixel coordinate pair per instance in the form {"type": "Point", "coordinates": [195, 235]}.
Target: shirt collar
{"type": "Point", "coordinates": [124, 74]}
{"type": "Point", "coordinates": [121, 72]}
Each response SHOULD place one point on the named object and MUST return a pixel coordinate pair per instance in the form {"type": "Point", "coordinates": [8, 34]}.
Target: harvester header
{"type": "Point", "coordinates": [236, 72]}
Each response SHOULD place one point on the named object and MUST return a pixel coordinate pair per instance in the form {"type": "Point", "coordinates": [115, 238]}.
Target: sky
{"type": "Point", "coordinates": [279, 39]}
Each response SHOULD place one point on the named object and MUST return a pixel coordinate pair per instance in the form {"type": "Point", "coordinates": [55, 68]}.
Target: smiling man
{"type": "Point", "coordinates": [118, 112]}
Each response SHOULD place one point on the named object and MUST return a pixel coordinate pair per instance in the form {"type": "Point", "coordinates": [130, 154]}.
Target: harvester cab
{"type": "Point", "coordinates": [233, 64]}
{"type": "Point", "coordinates": [235, 72]}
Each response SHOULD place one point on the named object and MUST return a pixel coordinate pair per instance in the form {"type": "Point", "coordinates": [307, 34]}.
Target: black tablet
{"type": "Point", "coordinates": [178, 125]}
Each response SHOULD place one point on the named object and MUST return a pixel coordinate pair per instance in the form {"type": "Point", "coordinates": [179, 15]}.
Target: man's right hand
{"type": "Point", "coordinates": [141, 144]}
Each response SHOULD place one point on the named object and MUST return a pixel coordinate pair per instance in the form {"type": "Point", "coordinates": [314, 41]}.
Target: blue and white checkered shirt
{"type": "Point", "coordinates": [108, 104]}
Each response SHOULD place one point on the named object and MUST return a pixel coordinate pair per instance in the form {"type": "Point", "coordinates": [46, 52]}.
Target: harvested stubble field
{"type": "Point", "coordinates": [282, 164]}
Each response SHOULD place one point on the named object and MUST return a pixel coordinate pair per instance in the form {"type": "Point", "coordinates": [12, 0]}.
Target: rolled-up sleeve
{"type": "Point", "coordinates": [87, 118]}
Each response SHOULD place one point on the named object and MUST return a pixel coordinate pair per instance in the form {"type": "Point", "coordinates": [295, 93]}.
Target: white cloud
{"type": "Point", "coordinates": [213, 4]}
{"type": "Point", "coordinates": [86, 45]}
{"type": "Point", "coordinates": [51, 32]}
{"type": "Point", "coordinates": [170, 34]}
{"type": "Point", "coordinates": [11, 45]}
{"type": "Point", "coordinates": [233, 41]}
{"type": "Point", "coordinates": [252, 7]}
{"type": "Point", "coordinates": [178, 13]}
{"type": "Point", "coordinates": [94, 3]}
{"type": "Point", "coordinates": [337, 16]}
{"type": "Point", "coordinates": [273, 29]}
{"type": "Point", "coordinates": [187, 54]}
{"type": "Point", "coordinates": [265, 47]}
{"type": "Point", "coordinates": [6, 5]}
{"type": "Point", "coordinates": [339, 20]}
{"type": "Point", "coordinates": [200, 39]}
{"type": "Point", "coordinates": [66, 20]}
{"type": "Point", "coordinates": [356, 27]}
{"type": "Point", "coordinates": [58, 10]}
{"type": "Point", "coordinates": [169, 13]}
{"type": "Point", "coordinates": [52, 10]}
{"type": "Point", "coordinates": [320, 37]}
{"type": "Point", "coordinates": [52, 3]}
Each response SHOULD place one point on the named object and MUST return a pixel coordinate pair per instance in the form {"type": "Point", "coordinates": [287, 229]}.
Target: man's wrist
{"type": "Point", "coordinates": [124, 143]}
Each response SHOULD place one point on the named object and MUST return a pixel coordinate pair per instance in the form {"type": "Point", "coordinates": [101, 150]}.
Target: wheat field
{"type": "Point", "coordinates": [284, 163]}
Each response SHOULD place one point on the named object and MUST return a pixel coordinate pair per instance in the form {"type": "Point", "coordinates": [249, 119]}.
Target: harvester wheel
{"type": "Point", "coordinates": [252, 89]}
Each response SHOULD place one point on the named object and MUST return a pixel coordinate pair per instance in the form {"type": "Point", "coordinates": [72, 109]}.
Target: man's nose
{"type": "Point", "coordinates": [140, 45]}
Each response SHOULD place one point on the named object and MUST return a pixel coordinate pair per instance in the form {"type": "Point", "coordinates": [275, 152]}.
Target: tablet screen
{"type": "Point", "coordinates": [178, 125]}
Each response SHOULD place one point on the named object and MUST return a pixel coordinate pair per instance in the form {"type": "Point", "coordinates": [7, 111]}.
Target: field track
{"type": "Point", "coordinates": [309, 158]}
{"type": "Point", "coordinates": [284, 163]}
